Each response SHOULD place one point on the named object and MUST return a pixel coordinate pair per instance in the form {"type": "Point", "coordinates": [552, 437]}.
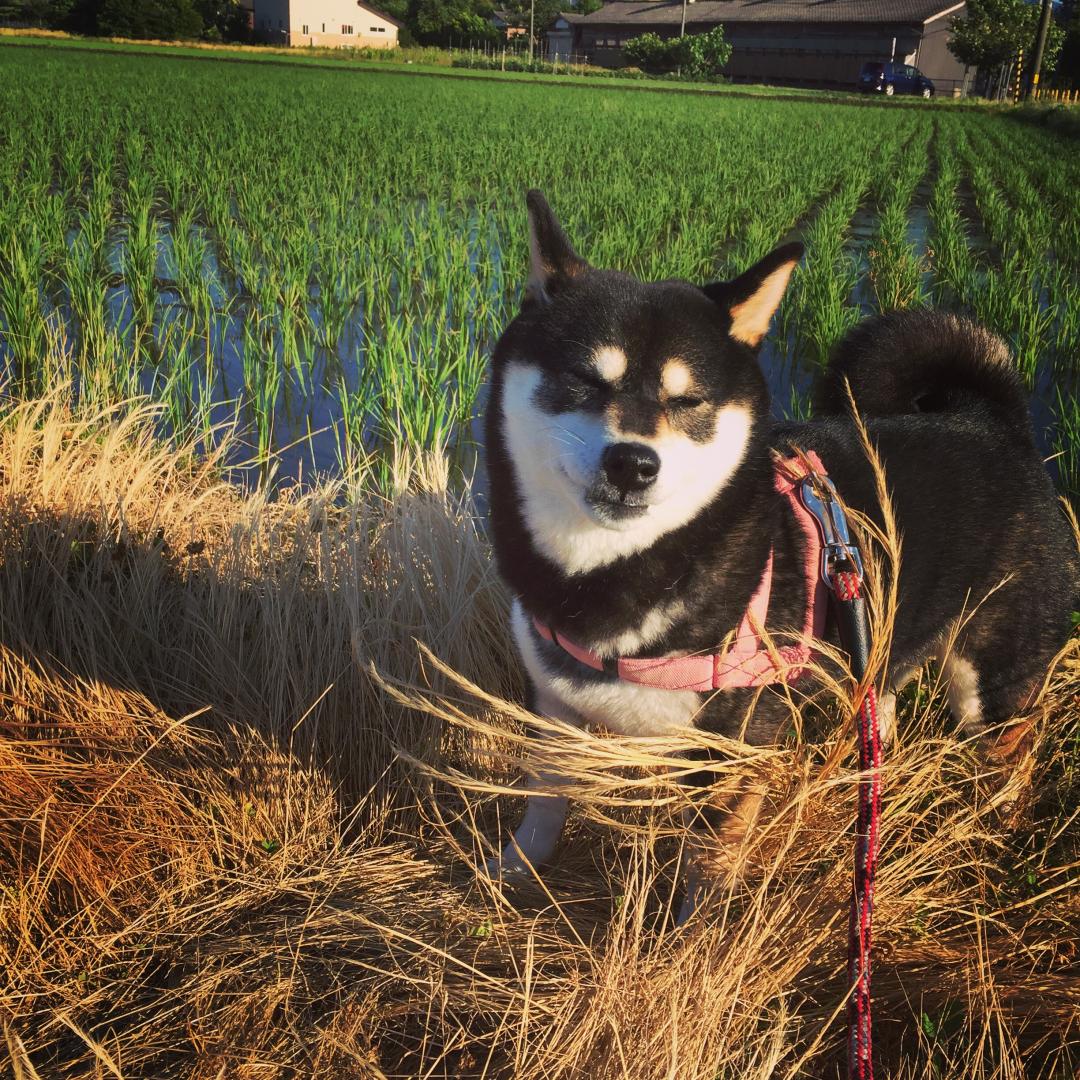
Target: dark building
{"type": "Point", "coordinates": [793, 42]}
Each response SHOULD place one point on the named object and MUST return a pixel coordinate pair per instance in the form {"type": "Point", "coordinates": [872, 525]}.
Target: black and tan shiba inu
{"type": "Point", "coordinates": [637, 516]}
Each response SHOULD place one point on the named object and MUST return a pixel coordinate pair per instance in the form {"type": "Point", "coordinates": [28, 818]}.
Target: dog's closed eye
{"type": "Point", "coordinates": [590, 379]}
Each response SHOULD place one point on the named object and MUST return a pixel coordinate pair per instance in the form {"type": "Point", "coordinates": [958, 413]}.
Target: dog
{"type": "Point", "coordinates": [637, 512]}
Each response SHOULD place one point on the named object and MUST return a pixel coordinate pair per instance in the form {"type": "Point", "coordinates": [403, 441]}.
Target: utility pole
{"type": "Point", "coordinates": [532, 16]}
{"type": "Point", "coordinates": [682, 34]}
{"type": "Point", "coordinates": [1040, 46]}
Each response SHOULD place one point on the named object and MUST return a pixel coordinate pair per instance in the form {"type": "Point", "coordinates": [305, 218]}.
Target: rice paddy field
{"type": "Point", "coordinates": [258, 709]}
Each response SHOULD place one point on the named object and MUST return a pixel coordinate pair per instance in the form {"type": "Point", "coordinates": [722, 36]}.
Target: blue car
{"type": "Point", "coordinates": [886, 77]}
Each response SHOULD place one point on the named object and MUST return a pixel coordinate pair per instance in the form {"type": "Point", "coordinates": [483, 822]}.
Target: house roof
{"type": "Point", "coordinates": [647, 13]}
{"type": "Point", "coordinates": [382, 14]}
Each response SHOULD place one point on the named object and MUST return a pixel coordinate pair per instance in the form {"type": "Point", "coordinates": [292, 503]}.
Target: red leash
{"type": "Point", "coordinates": [860, 924]}
{"type": "Point", "coordinates": [842, 571]}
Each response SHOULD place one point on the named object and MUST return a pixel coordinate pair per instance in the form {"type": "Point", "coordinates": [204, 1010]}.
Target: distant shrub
{"type": "Point", "coordinates": [650, 52]}
{"type": "Point", "coordinates": [479, 61]}
{"type": "Point", "coordinates": [709, 54]}
{"type": "Point", "coordinates": [696, 56]}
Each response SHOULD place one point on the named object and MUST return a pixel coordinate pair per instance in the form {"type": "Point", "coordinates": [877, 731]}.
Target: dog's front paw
{"type": "Point", "coordinates": [507, 867]}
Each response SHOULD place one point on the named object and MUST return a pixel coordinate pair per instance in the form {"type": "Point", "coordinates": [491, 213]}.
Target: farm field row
{"type": "Point", "coordinates": [327, 262]}
{"type": "Point", "coordinates": [409, 61]}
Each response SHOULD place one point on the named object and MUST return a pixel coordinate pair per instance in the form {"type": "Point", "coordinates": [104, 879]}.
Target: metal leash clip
{"type": "Point", "coordinates": [819, 497]}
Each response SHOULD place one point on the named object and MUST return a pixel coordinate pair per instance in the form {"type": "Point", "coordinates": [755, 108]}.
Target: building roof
{"type": "Point", "coordinates": [649, 13]}
{"type": "Point", "coordinates": [381, 14]}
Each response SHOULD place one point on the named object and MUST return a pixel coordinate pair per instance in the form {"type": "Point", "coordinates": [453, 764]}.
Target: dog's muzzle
{"type": "Point", "coordinates": [630, 467]}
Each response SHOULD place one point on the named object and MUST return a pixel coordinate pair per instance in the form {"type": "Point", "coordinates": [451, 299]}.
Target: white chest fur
{"type": "Point", "coordinates": [621, 707]}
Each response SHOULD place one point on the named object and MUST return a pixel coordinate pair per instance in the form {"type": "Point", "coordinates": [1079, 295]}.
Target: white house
{"type": "Point", "coordinates": [334, 24]}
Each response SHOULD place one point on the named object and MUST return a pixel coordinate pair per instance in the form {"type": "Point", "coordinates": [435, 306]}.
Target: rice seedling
{"type": "Point", "coordinates": [955, 268]}
{"type": "Point", "coordinates": [21, 308]}
{"type": "Point", "coordinates": [827, 277]}
{"type": "Point", "coordinates": [1012, 299]}
{"type": "Point", "coordinates": [86, 285]}
{"type": "Point", "coordinates": [1066, 444]}
{"type": "Point", "coordinates": [894, 268]}
{"type": "Point", "coordinates": [96, 221]}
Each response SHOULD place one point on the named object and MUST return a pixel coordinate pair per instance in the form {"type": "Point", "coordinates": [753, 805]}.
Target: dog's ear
{"type": "Point", "coordinates": [553, 262]}
{"type": "Point", "coordinates": [752, 297]}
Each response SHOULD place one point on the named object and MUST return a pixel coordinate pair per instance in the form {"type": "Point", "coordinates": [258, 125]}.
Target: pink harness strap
{"type": "Point", "coordinates": [747, 662]}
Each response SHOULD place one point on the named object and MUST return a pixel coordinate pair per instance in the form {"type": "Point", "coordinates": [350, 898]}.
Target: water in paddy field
{"type": "Point", "coordinates": [225, 360]}
{"type": "Point", "coordinates": [291, 386]}
{"type": "Point", "coordinates": [221, 355]}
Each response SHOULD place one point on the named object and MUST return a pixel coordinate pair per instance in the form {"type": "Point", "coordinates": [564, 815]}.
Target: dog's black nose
{"type": "Point", "coordinates": [630, 466]}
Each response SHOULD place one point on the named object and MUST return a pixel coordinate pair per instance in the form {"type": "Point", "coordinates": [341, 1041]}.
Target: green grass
{"type": "Point", "coordinates": [327, 262]}
{"type": "Point", "coordinates": [424, 61]}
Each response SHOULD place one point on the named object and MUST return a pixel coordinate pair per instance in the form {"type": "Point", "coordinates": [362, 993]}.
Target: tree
{"type": "Point", "coordinates": [544, 13]}
{"type": "Point", "coordinates": [445, 22]}
{"type": "Point", "coordinates": [708, 54]}
{"type": "Point", "coordinates": [399, 9]}
{"type": "Point", "coordinates": [650, 52]}
{"type": "Point", "coordinates": [696, 56]}
{"type": "Point", "coordinates": [1068, 65]}
{"type": "Point", "coordinates": [223, 20]}
{"type": "Point", "coordinates": [993, 32]}
{"type": "Point", "coordinates": [162, 20]}
{"type": "Point", "coordinates": [48, 14]}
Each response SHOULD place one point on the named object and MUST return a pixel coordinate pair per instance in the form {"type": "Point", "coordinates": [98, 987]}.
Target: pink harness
{"type": "Point", "coordinates": [747, 662]}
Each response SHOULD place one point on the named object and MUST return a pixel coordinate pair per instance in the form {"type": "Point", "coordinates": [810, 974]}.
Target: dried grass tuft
{"type": "Point", "coordinates": [251, 751]}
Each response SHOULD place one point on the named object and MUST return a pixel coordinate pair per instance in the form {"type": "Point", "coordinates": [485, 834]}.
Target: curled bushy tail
{"type": "Point", "coordinates": [921, 361]}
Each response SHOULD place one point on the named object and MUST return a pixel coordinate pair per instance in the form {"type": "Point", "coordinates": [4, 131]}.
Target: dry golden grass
{"type": "Point", "coordinates": [240, 808]}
